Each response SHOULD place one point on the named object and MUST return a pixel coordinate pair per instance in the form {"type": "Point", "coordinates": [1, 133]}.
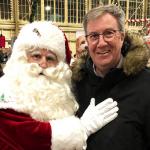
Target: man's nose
{"type": "Point", "coordinates": [101, 41]}
{"type": "Point", "coordinates": [43, 63]}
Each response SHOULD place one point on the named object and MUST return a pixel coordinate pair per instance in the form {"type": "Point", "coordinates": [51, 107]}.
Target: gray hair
{"type": "Point", "coordinates": [114, 10]}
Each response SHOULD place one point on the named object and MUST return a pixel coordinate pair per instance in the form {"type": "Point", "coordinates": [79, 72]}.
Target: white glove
{"type": "Point", "coordinates": [95, 117]}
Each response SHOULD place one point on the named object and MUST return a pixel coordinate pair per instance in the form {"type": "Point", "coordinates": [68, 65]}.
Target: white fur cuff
{"type": "Point", "coordinates": [68, 134]}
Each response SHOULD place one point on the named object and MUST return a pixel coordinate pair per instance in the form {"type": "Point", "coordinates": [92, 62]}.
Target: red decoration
{"type": "Point", "coordinates": [138, 20]}
{"type": "Point", "coordinates": [2, 41]}
{"type": "Point", "coordinates": [68, 51]}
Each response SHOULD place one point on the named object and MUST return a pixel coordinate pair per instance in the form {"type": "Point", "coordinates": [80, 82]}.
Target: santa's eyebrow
{"type": "Point", "coordinates": [51, 55]}
{"type": "Point", "coordinates": [33, 51]}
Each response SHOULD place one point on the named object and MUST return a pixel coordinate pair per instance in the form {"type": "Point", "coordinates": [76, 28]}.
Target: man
{"type": "Point", "coordinates": [115, 68]}
{"type": "Point", "coordinates": [81, 46]}
{"type": "Point", "coordinates": [37, 107]}
{"type": "Point", "coordinates": [81, 43]}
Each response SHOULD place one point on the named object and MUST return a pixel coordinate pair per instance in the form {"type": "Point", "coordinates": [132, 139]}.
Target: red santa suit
{"type": "Point", "coordinates": [18, 131]}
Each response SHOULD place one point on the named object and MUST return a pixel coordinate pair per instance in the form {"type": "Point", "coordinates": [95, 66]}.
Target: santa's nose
{"type": "Point", "coordinates": [43, 63]}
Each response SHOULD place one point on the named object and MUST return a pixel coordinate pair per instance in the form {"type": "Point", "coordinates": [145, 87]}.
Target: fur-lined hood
{"type": "Point", "coordinates": [135, 54]}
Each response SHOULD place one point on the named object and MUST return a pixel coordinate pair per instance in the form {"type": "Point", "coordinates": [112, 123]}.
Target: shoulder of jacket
{"type": "Point", "coordinates": [136, 56]}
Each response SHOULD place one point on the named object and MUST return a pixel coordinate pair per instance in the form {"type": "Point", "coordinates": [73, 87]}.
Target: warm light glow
{"type": "Point", "coordinates": [47, 8]}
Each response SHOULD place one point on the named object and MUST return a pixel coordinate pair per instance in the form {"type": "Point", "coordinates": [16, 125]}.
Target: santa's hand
{"type": "Point", "coordinates": [95, 117]}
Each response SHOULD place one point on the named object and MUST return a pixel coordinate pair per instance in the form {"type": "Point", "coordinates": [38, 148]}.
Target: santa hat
{"type": "Point", "coordinates": [43, 34]}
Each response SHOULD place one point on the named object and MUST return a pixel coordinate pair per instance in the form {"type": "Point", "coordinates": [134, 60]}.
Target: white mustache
{"type": "Point", "coordinates": [34, 69]}
{"type": "Point", "coordinates": [61, 71]}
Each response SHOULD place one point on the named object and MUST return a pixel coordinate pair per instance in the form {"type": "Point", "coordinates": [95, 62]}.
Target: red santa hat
{"type": "Point", "coordinates": [43, 34]}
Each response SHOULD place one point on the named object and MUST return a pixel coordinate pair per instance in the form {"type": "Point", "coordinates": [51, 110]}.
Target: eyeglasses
{"type": "Point", "coordinates": [108, 35]}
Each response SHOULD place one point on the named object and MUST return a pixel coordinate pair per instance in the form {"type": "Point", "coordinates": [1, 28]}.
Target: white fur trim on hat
{"type": "Point", "coordinates": [42, 34]}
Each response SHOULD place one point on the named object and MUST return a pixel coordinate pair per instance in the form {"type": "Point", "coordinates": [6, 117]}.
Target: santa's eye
{"type": "Point", "coordinates": [51, 58]}
{"type": "Point", "coordinates": [36, 56]}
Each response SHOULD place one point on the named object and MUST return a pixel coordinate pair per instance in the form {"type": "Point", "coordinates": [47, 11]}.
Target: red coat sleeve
{"type": "Point", "coordinates": [19, 131]}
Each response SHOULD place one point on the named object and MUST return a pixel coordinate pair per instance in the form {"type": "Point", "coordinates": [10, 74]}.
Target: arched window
{"type": "Point", "coordinates": [123, 4]}
{"type": "Point", "coordinates": [135, 12]}
{"type": "Point", "coordinates": [5, 9]}
{"type": "Point", "coordinates": [76, 11]}
{"type": "Point", "coordinates": [68, 11]}
{"type": "Point", "coordinates": [54, 10]}
{"type": "Point", "coordinates": [95, 3]}
{"type": "Point", "coordinates": [25, 10]}
{"type": "Point", "coordinates": [148, 9]}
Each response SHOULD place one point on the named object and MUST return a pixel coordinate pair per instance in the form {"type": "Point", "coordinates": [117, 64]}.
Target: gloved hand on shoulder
{"type": "Point", "coordinates": [97, 116]}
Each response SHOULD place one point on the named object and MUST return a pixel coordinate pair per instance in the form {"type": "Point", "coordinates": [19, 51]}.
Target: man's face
{"type": "Point", "coordinates": [81, 45]}
{"type": "Point", "coordinates": [45, 58]}
{"type": "Point", "coordinates": [104, 41]}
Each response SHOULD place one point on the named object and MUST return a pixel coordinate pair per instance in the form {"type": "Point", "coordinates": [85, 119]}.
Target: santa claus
{"type": "Point", "coordinates": [37, 106]}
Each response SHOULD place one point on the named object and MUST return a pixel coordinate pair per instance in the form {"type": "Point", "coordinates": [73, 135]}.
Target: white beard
{"type": "Point", "coordinates": [44, 97]}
